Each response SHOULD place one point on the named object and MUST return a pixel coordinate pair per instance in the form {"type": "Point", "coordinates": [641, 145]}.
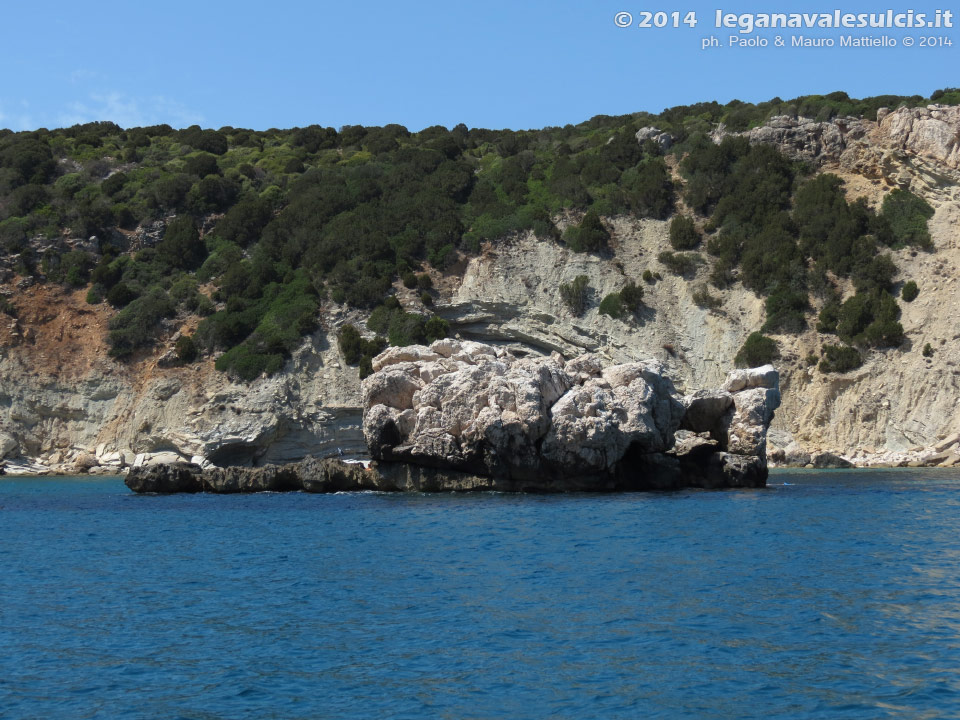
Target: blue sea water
{"type": "Point", "coordinates": [826, 595]}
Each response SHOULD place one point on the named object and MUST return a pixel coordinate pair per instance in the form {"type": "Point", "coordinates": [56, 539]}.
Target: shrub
{"type": "Point", "coordinates": [589, 236]}
{"type": "Point", "coordinates": [680, 263]}
{"type": "Point", "coordinates": [648, 277]}
{"type": "Point", "coordinates": [703, 298]}
{"type": "Point", "coordinates": [436, 328]}
{"type": "Point", "coordinates": [186, 349]}
{"type": "Point", "coordinates": [170, 192]}
{"type": "Point", "coordinates": [574, 294]}
{"type": "Point", "coordinates": [631, 296]}
{"type": "Point", "coordinates": [201, 165]}
{"type": "Point", "coordinates": [294, 166]}
{"type": "Point", "coordinates": [406, 329]}
{"type": "Point", "coordinates": [245, 364]}
{"type": "Point", "coordinates": [244, 222]}
{"type": "Point", "coordinates": [7, 308]}
{"type": "Point", "coordinates": [426, 299]}
{"type": "Point", "coordinates": [366, 366]}
{"type": "Point", "coordinates": [409, 280]}
{"type": "Point", "coordinates": [907, 215]}
{"type": "Point", "coordinates": [683, 233]}
{"type": "Point", "coordinates": [786, 310]}
{"type": "Point", "coordinates": [120, 295]}
{"type": "Point", "coordinates": [647, 189]}
{"type": "Point", "coordinates": [870, 319]}
{"type": "Point", "coordinates": [839, 359]}
{"type": "Point", "coordinates": [612, 305]}
{"type": "Point", "coordinates": [94, 296]}
{"type": "Point", "coordinates": [136, 325]}
{"type": "Point", "coordinates": [349, 340]}
{"type": "Point", "coordinates": [424, 282]}
{"type": "Point", "coordinates": [757, 350]}
{"type": "Point", "coordinates": [927, 350]}
{"type": "Point", "coordinates": [181, 246]}
{"type": "Point", "coordinates": [910, 291]}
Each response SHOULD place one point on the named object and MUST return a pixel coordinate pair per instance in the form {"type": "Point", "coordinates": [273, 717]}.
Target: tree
{"type": "Point", "coordinates": [839, 359]}
{"type": "Point", "coordinates": [186, 349]}
{"type": "Point", "coordinates": [349, 341]}
{"type": "Point", "coordinates": [683, 233]}
{"type": "Point", "coordinates": [910, 291]}
{"type": "Point", "coordinates": [181, 246]}
{"type": "Point", "coordinates": [908, 215]}
{"type": "Point", "coordinates": [201, 165]}
{"type": "Point", "coordinates": [589, 236]}
{"type": "Point", "coordinates": [757, 350]}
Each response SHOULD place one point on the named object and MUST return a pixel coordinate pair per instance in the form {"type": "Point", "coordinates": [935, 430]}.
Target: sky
{"type": "Point", "coordinates": [494, 64]}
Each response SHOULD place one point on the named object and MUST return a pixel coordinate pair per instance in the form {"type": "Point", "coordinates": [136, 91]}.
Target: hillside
{"type": "Point", "coordinates": [183, 291]}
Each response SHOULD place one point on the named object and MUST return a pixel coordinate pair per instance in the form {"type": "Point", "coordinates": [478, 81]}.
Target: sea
{"type": "Point", "coordinates": [828, 594]}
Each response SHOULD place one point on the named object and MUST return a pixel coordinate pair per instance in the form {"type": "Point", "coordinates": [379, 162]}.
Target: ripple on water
{"type": "Point", "coordinates": [829, 594]}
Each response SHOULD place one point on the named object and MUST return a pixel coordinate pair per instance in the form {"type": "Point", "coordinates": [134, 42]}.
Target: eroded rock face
{"type": "Point", "coordinates": [477, 409]}
{"type": "Point", "coordinates": [931, 133]}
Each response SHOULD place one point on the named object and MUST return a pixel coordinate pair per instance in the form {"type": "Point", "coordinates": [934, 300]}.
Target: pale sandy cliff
{"type": "Point", "coordinates": [64, 402]}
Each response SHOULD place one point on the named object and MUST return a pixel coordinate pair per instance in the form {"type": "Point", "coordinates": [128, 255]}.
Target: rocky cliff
{"type": "Point", "coordinates": [468, 416]}
{"type": "Point", "coordinates": [64, 402]}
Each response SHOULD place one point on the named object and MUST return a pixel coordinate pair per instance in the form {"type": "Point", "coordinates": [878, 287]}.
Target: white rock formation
{"type": "Point", "coordinates": [476, 408]}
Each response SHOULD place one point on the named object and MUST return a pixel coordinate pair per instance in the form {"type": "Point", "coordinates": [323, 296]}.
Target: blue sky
{"type": "Point", "coordinates": [494, 64]}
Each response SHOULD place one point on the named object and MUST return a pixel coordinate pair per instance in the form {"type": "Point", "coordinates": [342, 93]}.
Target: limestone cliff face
{"type": "Point", "coordinates": [62, 397]}
{"type": "Point", "coordinates": [70, 401]}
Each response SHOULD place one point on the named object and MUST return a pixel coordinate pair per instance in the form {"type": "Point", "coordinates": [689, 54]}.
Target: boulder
{"type": "Point", "coordinates": [84, 462]}
{"type": "Point", "coordinates": [795, 455]}
{"type": "Point", "coordinates": [828, 460]}
{"type": "Point", "coordinates": [761, 377]}
{"type": "Point", "coordinates": [663, 139]}
{"type": "Point", "coordinates": [554, 424]}
{"type": "Point", "coordinates": [162, 458]}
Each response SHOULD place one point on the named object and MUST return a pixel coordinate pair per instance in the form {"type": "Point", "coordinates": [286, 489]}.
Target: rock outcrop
{"type": "Point", "coordinates": [548, 424]}
{"type": "Point", "coordinates": [464, 416]}
{"type": "Point", "coordinates": [929, 133]}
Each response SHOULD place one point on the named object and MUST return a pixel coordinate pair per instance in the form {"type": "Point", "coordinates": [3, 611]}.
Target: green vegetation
{"type": "Point", "coordinates": [927, 351]}
{"type": "Point", "coordinates": [703, 298]}
{"type": "Point", "coordinates": [357, 350]}
{"type": "Point", "coordinates": [757, 350]}
{"type": "Point", "coordinates": [631, 296]}
{"type": "Point", "coordinates": [589, 236]}
{"type": "Point", "coordinates": [612, 306]}
{"type": "Point", "coordinates": [839, 359]}
{"type": "Point", "coordinates": [574, 294]}
{"type": "Point", "coordinates": [910, 291]}
{"type": "Point", "coordinates": [628, 301]}
{"type": "Point", "coordinates": [908, 216]}
{"type": "Point", "coordinates": [683, 233]}
{"type": "Point", "coordinates": [186, 349]}
{"type": "Point", "coordinates": [683, 263]}
{"type": "Point", "coordinates": [259, 228]}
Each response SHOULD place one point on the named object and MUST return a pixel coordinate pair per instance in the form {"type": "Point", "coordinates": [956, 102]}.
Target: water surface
{"type": "Point", "coordinates": [827, 595]}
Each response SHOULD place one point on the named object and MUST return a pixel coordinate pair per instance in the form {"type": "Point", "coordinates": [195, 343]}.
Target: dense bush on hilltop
{"type": "Point", "coordinates": [261, 227]}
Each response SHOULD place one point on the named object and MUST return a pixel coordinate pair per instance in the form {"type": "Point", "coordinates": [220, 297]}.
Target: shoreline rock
{"type": "Point", "coordinates": [464, 416]}
{"type": "Point", "coordinates": [546, 423]}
